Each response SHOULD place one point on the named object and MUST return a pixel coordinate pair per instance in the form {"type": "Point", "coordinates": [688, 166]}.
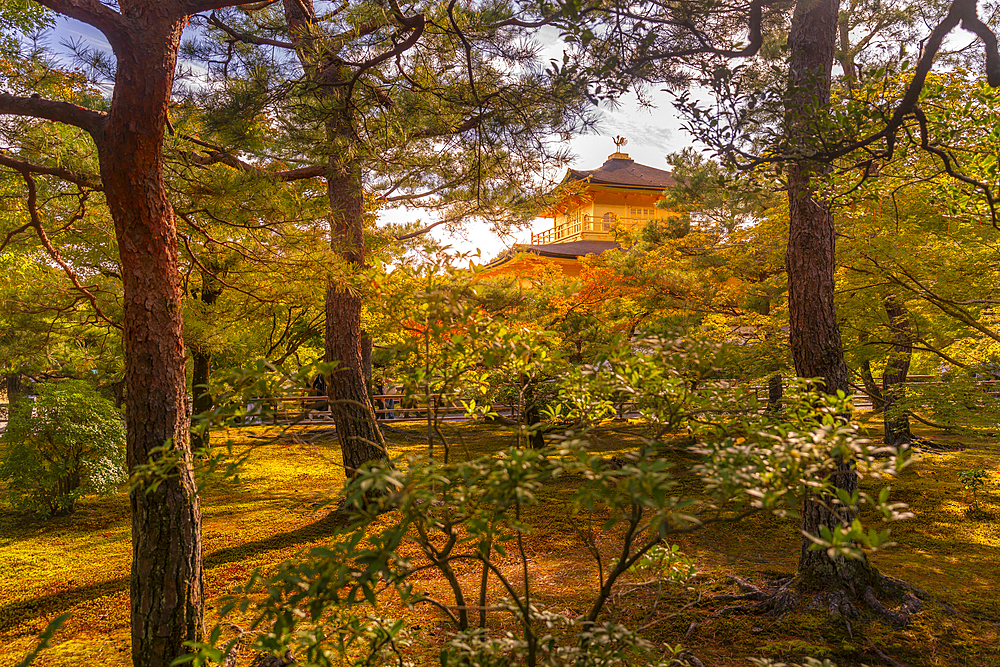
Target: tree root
{"type": "Point", "coordinates": [777, 599]}
{"type": "Point", "coordinates": [892, 661]}
{"type": "Point", "coordinates": [689, 658]}
{"type": "Point", "coordinates": [266, 660]}
{"type": "Point", "coordinates": [843, 603]}
{"type": "Point", "coordinates": [923, 443]}
{"type": "Point", "coordinates": [947, 428]}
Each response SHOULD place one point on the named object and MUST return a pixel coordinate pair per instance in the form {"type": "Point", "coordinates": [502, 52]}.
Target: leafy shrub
{"type": "Point", "coordinates": [467, 520]}
{"type": "Point", "coordinates": [65, 443]}
{"type": "Point", "coordinates": [974, 481]}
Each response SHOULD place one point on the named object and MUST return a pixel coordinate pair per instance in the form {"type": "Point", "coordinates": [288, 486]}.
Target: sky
{"type": "Point", "coordinates": [652, 134]}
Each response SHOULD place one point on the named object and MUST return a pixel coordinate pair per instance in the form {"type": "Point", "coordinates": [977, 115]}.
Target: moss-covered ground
{"type": "Point", "coordinates": [278, 507]}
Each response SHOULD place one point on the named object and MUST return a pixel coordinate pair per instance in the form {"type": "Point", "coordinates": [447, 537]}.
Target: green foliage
{"type": "Point", "coordinates": [974, 481]}
{"type": "Point", "coordinates": [67, 442]}
{"type": "Point", "coordinates": [713, 194]}
{"type": "Point", "coordinates": [667, 561]}
{"type": "Point", "coordinates": [474, 516]}
{"type": "Point", "coordinates": [44, 640]}
{"type": "Point", "coordinates": [19, 17]}
{"type": "Point", "coordinates": [459, 125]}
{"type": "Point", "coordinates": [958, 400]}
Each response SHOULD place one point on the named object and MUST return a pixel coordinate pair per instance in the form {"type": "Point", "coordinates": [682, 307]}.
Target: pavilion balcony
{"type": "Point", "coordinates": [588, 226]}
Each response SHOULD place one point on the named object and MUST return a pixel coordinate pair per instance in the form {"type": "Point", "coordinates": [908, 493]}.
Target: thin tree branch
{"type": "Point", "coordinates": [36, 222]}
{"type": "Point", "coordinates": [189, 7]}
{"type": "Point", "coordinates": [194, 258]}
{"type": "Point", "coordinates": [414, 24]}
{"type": "Point", "coordinates": [78, 178]}
{"type": "Point", "coordinates": [256, 6]}
{"type": "Point", "coordinates": [214, 155]}
{"type": "Point", "coordinates": [299, 173]}
{"type": "Point", "coordinates": [419, 232]}
{"type": "Point", "coordinates": [246, 37]}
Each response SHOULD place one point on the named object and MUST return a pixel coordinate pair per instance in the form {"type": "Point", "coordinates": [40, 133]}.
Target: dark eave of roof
{"type": "Point", "coordinates": [570, 250]}
{"type": "Point", "coordinates": [624, 172]}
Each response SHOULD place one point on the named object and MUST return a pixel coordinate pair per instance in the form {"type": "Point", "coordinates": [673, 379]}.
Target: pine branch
{"type": "Point", "coordinates": [256, 6]}
{"type": "Point", "coordinates": [215, 274]}
{"type": "Point", "coordinates": [62, 112]}
{"type": "Point", "coordinates": [470, 123]}
{"type": "Point", "coordinates": [337, 42]}
{"type": "Point", "coordinates": [215, 154]}
{"type": "Point", "coordinates": [221, 157]}
{"type": "Point", "coordinates": [299, 173]}
{"type": "Point", "coordinates": [95, 13]}
{"type": "Point", "coordinates": [188, 7]}
{"type": "Point", "coordinates": [78, 178]}
{"type": "Point", "coordinates": [420, 232]}
{"type": "Point", "coordinates": [415, 25]}
{"type": "Point", "coordinates": [246, 37]}
{"type": "Point", "coordinates": [421, 195]}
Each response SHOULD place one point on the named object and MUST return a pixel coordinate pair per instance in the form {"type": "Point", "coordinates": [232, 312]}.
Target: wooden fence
{"type": "Point", "coordinates": [315, 409]}
{"type": "Point", "coordinates": [308, 409]}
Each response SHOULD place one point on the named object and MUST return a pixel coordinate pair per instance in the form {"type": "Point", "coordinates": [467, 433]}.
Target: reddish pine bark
{"type": "Point", "coordinates": [166, 577]}
{"type": "Point", "coordinates": [166, 580]}
{"type": "Point", "coordinates": [360, 438]}
{"type": "Point", "coordinates": [814, 336]}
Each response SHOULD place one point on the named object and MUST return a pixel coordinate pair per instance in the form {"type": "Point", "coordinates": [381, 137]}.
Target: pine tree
{"type": "Point", "coordinates": [424, 105]}
{"type": "Point", "coordinates": [166, 580]}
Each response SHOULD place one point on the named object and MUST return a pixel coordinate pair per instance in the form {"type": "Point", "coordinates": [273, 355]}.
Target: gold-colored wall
{"type": "Point", "coordinates": [586, 220]}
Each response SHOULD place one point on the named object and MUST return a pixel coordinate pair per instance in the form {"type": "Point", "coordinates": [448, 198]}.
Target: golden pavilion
{"type": "Point", "coordinates": [621, 193]}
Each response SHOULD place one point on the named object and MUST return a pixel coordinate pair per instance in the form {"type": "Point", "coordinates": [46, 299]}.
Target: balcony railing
{"type": "Point", "coordinates": [588, 223]}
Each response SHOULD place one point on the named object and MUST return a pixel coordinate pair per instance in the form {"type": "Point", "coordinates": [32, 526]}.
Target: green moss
{"type": "Point", "coordinates": [80, 563]}
{"type": "Point", "coordinates": [796, 649]}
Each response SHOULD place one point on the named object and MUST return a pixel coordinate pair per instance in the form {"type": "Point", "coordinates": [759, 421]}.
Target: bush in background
{"type": "Point", "coordinates": [67, 442]}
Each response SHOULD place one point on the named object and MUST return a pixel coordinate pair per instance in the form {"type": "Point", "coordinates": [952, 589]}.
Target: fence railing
{"type": "Point", "coordinates": [395, 407]}
{"type": "Point", "coordinates": [388, 407]}
{"type": "Point", "coordinates": [587, 223]}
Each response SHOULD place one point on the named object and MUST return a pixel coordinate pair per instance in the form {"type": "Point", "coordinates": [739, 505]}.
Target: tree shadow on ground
{"type": "Point", "coordinates": [14, 613]}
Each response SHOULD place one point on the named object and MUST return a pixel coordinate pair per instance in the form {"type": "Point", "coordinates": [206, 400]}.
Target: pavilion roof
{"type": "Point", "coordinates": [623, 171]}
{"type": "Point", "coordinates": [570, 250]}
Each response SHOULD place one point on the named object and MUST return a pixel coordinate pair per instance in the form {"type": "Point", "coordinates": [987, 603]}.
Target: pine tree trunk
{"type": "Point", "coordinates": [14, 388]}
{"type": "Point", "coordinates": [872, 389]}
{"type": "Point", "coordinates": [360, 438]}
{"type": "Point", "coordinates": [201, 368]}
{"type": "Point", "coordinates": [166, 579]}
{"type": "Point", "coordinates": [814, 335]}
{"type": "Point", "coordinates": [817, 570]}
{"type": "Point", "coordinates": [366, 360]}
{"type": "Point", "coordinates": [201, 362]}
{"type": "Point", "coordinates": [895, 418]}
{"type": "Point", "coordinates": [775, 391]}
{"type": "Point", "coordinates": [531, 411]}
